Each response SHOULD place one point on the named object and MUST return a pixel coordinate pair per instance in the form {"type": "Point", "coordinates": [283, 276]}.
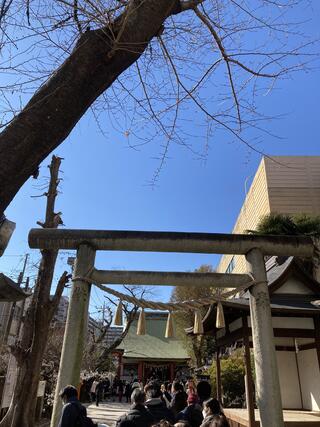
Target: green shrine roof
{"type": "Point", "coordinates": [153, 345]}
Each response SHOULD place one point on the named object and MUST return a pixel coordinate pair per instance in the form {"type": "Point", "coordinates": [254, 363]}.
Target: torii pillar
{"type": "Point", "coordinates": [76, 329]}
{"type": "Point", "coordinates": [267, 378]}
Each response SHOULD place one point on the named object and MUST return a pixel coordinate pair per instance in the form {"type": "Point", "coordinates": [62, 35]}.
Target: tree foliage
{"type": "Point", "coordinates": [295, 225]}
{"type": "Point", "coordinates": [232, 378]}
{"type": "Point", "coordinates": [142, 65]}
{"type": "Point", "coordinates": [202, 346]}
{"type": "Point", "coordinates": [282, 224]}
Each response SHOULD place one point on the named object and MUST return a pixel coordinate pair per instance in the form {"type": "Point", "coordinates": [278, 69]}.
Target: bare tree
{"type": "Point", "coordinates": [30, 349]}
{"type": "Point", "coordinates": [100, 346]}
{"type": "Point", "coordinates": [199, 347]}
{"type": "Point", "coordinates": [146, 59]}
{"type": "Point", "coordinates": [50, 366]}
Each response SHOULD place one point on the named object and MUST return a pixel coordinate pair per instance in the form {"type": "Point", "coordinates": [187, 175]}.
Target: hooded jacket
{"type": "Point", "coordinates": [159, 410]}
{"type": "Point", "coordinates": [178, 402]}
{"type": "Point", "coordinates": [192, 414]}
{"type": "Point", "coordinates": [139, 415]}
{"type": "Point", "coordinates": [72, 411]}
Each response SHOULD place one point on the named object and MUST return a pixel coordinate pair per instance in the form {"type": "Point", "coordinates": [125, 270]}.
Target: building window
{"type": "Point", "coordinates": [231, 266]}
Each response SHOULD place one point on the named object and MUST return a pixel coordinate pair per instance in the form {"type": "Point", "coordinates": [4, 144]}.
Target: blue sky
{"type": "Point", "coordinates": [105, 183]}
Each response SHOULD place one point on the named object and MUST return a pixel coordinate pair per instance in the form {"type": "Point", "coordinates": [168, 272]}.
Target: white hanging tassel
{"type": "Point", "coordinates": [198, 326]}
{"type": "Point", "coordinates": [170, 326]}
{"type": "Point", "coordinates": [141, 328]}
{"type": "Point", "coordinates": [220, 322]}
{"type": "Point", "coordinates": [118, 321]}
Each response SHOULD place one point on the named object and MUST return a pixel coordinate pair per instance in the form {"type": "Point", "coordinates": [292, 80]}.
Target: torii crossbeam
{"type": "Point", "coordinates": [87, 242]}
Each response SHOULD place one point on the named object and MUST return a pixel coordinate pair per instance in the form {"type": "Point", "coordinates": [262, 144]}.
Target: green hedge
{"type": "Point", "coordinates": [232, 379]}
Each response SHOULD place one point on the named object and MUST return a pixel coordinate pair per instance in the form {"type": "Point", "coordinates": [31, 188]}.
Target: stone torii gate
{"type": "Point", "coordinates": [254, 247]}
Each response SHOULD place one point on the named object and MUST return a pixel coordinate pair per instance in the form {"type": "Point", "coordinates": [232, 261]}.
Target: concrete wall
{"type": "Point", "coordinates": [255, 205]}
{"type": "Point", "coordinates": [294, 187]}
{"type": "Point", "coordinates": [289, 380]}
{"type": "Point", "coordinates": [310, 379]}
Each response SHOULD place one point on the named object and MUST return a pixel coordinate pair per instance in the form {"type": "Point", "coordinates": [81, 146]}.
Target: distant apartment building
{"type": "Point", "coordinates": [94, 326]}
{"type": "Point", "coordinates": [5, 312]}
{"type": "Point", "coordinates": [10, 315]}
{"type": "Point", "coordinates": [60, 316]}
{"type": "Point", "coordinates": [113, 333]}
{"type": "Point", "coordinates": [286, 184]}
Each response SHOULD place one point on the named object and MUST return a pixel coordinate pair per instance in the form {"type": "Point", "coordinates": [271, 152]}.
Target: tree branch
{"type": "Point", "coordinates": [190, 4]}
{"type": "Point", "coordinates": [64, 279]}
{"type": "Point", "coordinates": [57, 106]}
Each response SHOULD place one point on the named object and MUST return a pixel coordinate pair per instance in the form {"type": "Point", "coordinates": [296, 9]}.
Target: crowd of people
{"type": "Point", "coordinates": [176, 404]}
{"type": "Point", "coordinates": [99, 388]}
{"type": "Point", "coordinates": [153, 405]}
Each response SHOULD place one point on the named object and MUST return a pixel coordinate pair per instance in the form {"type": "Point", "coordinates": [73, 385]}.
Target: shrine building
{"type": "Point", "coordinates": [152, 355]}
{"type": "Point", "coordinates": [295, 306]}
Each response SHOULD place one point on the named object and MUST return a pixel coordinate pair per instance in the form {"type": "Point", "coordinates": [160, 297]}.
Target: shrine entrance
{"type": "Point", "coordinates": [87, 242]}
{"type": "Point", "coordinates": [157, 371]}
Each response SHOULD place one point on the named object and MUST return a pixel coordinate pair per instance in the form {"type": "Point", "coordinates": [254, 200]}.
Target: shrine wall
{"type": "Point", "coordinates": [309, 379]}
{"type": "Point", "coordinates": [289, 380]}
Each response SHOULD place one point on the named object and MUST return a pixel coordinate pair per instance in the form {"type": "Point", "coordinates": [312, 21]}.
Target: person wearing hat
{"type": "Point", "coordinates": [192, 413]}
{"type": "Point", "coordinates": [73, 412]}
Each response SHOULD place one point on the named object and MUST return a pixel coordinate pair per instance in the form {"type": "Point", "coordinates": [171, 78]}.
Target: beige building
{"type": "Point", "coordinates": [286, 184]}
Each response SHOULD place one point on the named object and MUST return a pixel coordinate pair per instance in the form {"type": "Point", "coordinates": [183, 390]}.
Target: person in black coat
{"type": "Point", "coordinates": [138, 415]}
{"type": "Point", "coordinates": [179, 398]}
{"type": "Point", "coordinates": [192, 413]}
{"type": "Point", "coordinates": [127, 391]}
{"type": "Point", "coordinates": [203, 391]}
{"type": "Point", "coordinates": [155, 403]}
{"type": "Point", "coordinates": [72, 412]}
{"type": "Point", "coordinates": [99, 392]}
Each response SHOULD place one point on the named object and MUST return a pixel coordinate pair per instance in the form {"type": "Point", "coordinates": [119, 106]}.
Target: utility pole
{"type": "Point", "coordinates": [103, 312]}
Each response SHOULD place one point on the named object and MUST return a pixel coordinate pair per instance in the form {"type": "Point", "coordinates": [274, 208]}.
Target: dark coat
{"type": "Point", "coordinates": [100, 388]}
{"type": "Point", "coordinates": [138, 415]}
{"type": "Point", "coordinates": [159, 410]}
{"type": "Point", "coordinates": [192, 414]}
{"type": "Point", "coordinates": [168, 396]}
{"type": "Point", "coordinates": [72, 412]}
{"type": "Point", "coordinates": [127, 390]}
{"type": "Point", "coordinates": [178, 402]}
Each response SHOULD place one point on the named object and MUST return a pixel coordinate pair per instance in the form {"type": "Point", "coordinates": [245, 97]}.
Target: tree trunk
{"type": "Point", "coordinates": [25, 395]}
{"type": "Point", "coordinates": [30, 350]}
{"type": "Point", "coordinates": [197, 342]}
{"type": "Point", "coordinates": [108, 350]}
{"type": "Point", "coordinates": [58, 105]}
